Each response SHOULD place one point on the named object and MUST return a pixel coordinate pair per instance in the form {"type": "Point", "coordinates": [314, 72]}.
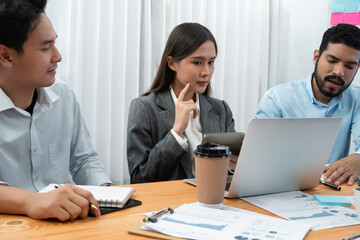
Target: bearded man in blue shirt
{"type": "Point", "coordinates": [43, 137]}
{"type": "Point", "coordinates": [327, 92]}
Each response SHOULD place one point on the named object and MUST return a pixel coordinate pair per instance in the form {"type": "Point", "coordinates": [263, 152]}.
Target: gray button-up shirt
{"type": "Point", "coordinates": [44, 148]}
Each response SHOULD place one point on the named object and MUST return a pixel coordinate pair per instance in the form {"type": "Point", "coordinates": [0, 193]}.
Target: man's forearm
{"type": "Point", "coordinates": [13, 200]}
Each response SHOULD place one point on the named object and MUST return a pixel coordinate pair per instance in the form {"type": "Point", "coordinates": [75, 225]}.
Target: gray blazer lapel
{"type": "Point", "coordinates": [167, 117]}
{"type": "Point", "coordinates": [208, 118]}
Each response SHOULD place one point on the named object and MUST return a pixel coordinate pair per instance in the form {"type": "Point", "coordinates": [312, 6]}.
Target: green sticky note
{"type": "Point", "coordinates": [333, 200]}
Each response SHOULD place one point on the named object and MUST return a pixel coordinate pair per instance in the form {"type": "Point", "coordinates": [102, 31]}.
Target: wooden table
{"type": "Point", "coordinates": [154, 196]}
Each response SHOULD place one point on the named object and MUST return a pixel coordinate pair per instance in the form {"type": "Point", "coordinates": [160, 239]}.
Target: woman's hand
{"type": "Point", "coordinates": [182, 112]}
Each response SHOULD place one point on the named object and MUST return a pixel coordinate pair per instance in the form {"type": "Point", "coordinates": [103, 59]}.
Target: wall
{"type": "Point", "coordinates": [301, 26]}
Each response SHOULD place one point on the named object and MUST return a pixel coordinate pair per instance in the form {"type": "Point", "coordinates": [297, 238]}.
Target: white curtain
{"type": "Point", "coordinates": [241, 29]}
{"type": "Point", "coordinates": [111, 50]}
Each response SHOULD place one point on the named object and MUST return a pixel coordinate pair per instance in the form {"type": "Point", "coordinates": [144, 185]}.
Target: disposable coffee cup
{"type": "Point", "coordinates": [357, 200]}
{"type": "Point", "coordinates": [211, 167]}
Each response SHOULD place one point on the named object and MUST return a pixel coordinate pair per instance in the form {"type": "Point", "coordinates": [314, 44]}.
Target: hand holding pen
{"type": "Point", "coordinates": [65, 203]}
{"type": "Point", "coordinates": [92, 206]}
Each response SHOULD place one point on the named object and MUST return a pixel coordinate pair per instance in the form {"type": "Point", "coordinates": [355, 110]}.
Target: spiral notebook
{"type": "Point", "coordinates": [105, 196]}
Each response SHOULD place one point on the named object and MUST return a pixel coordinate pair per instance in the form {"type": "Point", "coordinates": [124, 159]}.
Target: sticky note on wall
{"type": "Point", "coordinates": [351, 5]}
{"type": "Point", "coordinates": [351, 18]}
{"type": "Point", "coordinates": [337, 18]}
{"type": "Point", "coordinates": [338, 6]}
{"type": "Point", "coordinates": [345, 11]}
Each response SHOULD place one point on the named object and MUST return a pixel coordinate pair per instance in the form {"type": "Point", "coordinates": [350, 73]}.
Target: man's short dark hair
{"type": "Point", "coordinates": [18, 18]}
{"type": "Point", "coordinates": [342, 33]}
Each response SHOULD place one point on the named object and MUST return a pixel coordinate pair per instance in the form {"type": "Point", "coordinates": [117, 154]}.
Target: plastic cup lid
{"type": "Point", "coordinates": [212, 150]}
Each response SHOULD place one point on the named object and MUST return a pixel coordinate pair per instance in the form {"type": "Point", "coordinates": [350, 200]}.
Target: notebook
{"type": "Point", "coordinates": [282, 154]}
{"type": "Point", "coordinates": [105, 210]}
{"type": "Point", "coordinates": [115, 197]}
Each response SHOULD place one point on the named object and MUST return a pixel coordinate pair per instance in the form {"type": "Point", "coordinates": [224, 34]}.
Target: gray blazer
{"type": "Point", "coordinates": [153, 153]}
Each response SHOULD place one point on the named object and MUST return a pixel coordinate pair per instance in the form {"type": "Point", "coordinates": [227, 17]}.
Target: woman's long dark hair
{"type": "Point", "coordinates": [183, 40]}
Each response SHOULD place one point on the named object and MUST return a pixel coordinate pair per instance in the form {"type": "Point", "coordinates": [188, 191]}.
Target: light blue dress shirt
{"type": "Point", "coordinates": [43, 148]}
{"type": "Point", "coordinates": [296, 100]}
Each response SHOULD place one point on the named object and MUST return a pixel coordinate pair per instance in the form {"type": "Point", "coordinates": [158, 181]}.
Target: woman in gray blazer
{"type": "Point", "coordinates": [167, 122]}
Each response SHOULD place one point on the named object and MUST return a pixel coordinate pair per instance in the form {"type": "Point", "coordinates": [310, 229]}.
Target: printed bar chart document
{"type": "Point", "coordinates": [197, 222]}
{"type": "Point", "coordinates": [303, 208]}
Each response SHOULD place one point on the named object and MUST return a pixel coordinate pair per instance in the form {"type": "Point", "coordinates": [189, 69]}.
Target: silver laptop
{"type": "Point", "coordinates": [231, 139]}
{"type": "Point", "coordinates": [285, 154]}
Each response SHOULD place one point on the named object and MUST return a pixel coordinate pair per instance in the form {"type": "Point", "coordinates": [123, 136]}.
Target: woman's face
{"type": "Point", "coordinates": [196, 69]}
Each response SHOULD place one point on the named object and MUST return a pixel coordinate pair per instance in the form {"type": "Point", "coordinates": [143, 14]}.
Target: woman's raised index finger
{"type": "Point", "coordinates": [183, 92]}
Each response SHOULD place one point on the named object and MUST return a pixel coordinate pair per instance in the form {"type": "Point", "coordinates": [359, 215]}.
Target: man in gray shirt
{"type": "Point", "coordinates": [43, 137]}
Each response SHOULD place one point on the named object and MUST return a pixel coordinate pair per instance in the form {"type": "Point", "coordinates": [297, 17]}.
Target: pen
{"type": "Point", "coordinates": [92, 206]}
{"type": "Point", "coordinates": [156, 215]}
{"type": "Point", "coordinates": [333, 186]}
{"type": "Point", "coordinates": [353, 237]}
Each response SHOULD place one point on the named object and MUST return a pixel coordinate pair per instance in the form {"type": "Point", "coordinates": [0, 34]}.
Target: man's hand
{"type": "Point", "coordinates": [66, 203]}
{"type": "Point", "coordinates": [345, 169]}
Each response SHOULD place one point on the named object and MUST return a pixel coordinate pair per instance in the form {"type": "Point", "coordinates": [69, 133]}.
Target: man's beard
{"type": "Point", "coordinates": [329, 92]}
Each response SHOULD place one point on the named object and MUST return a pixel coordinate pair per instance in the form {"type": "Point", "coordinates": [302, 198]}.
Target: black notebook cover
{"type": "Point", "coordinates": [105, 210]}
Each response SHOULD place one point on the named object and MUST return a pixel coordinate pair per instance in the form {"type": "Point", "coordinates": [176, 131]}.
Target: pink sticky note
{"type": "Point", "coordinates": [358, 19]}
{"type": "Point", "coordinates": [350, 18]}
{"type": "Point", "coordinates": [337, 18]}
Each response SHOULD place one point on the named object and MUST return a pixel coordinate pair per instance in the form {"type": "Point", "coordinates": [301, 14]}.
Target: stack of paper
{"type": "Point", "coordinates": [303, 208]}
{"type": "Point", "coordinates": [198, 222]}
